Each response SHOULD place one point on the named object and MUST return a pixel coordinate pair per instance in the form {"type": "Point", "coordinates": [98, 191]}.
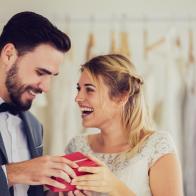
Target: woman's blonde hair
{"type": "Point", "coordinates": [119, 74]}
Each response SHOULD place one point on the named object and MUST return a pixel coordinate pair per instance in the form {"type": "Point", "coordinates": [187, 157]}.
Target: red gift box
{"type": "Point", "coordinates": [81, 160]}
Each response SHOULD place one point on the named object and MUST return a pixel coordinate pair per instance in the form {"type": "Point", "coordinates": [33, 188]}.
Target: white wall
{"type": "Point", "coordinates": [81, 11]}
{"type": "Point", "coordinates": [100, 7]}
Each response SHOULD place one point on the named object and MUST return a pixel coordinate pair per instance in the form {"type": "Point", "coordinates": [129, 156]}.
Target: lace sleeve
{"type": "Point", "coordinates": [161, 144]}
{"type": "Point", "coordinates": [71, 147]}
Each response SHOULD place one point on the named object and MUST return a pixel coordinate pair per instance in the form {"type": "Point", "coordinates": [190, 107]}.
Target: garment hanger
{"type": "Point", "coordinates": [113, 47]}
{"type": "Point", "coordinates": [91, 40]}
{"type": "Point", "coordinates": [191, 58]}
{"type": "Point", "coordinates": [155, 45]}
{"type": "Point", "coordinates": [124, 38]}
{"type": "Point", "coordinates": [70, 53]}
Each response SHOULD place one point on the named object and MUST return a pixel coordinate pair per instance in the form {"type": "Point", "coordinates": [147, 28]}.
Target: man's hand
{"type": "Point", "coordinates": [39, 171]}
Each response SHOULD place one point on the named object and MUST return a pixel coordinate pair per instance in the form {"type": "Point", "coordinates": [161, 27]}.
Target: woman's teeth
{"type": "Point", "coordinates": [86, 111]}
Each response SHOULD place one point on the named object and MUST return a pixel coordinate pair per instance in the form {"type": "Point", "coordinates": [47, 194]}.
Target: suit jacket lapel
{"type": "Point", "coordinates": [3, 151]}
{"type": "Point", "coordinates": [28, 130]}
{"type": "Point", "coordinates": [32, 136]}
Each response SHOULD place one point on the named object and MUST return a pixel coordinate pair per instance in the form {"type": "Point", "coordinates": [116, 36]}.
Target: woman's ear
{"type": "Point", "coordinates": [123, 98]}
{"type": "Point", "coordinates": [9, 55]}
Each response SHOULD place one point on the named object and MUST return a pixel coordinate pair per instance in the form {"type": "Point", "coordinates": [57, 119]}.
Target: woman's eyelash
{"type": "Point", "coordinates": [90, 89]}
{"type": "Point", "coordinates": [87, 89]}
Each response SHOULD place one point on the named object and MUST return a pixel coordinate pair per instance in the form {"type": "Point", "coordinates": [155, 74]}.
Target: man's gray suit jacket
{"type": "Point", "coordinates": [34, 132]}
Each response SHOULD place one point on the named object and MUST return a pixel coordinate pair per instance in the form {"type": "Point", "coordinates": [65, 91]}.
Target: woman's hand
{"type": "Point", "coordinates": [73, 193]}
{"type": "Point", "coordinates": [79, 193]}
{"type": "Point", "coordinates": [101, 178]}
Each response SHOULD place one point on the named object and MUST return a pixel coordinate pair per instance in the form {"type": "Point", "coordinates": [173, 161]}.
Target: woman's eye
{"type": "Point", "coordinates": [90, 90]}
{"type": "Point", "coordinates": [78, 88]}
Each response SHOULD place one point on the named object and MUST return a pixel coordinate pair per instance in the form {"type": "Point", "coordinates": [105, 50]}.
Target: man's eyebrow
{"type": "Point", "coordinates": [46, 71]}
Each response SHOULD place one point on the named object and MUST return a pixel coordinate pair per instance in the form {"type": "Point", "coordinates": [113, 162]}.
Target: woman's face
{"type": "Point", "coordinates": [97, 109]}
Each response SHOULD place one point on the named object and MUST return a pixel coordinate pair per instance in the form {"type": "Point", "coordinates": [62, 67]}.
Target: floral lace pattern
{"type": "Point", "coordinates": [134, 169]}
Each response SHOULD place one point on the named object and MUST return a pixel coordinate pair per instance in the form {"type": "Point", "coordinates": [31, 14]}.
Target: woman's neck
{"type": "Point", "coordinates": [115, 139]}
{"type": "Point", "coordinates": [112, 140]}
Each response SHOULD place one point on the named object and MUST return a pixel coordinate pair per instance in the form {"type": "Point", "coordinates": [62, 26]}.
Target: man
{"type": "Point", "coordinates": [31, 50]}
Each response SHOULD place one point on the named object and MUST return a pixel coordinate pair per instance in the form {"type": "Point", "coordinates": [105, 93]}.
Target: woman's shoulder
{"type": "Point", "coordinates": [159, 136]}
{"type": "Point", "coordinates": [157, 145]}
{"type": "Point", "coordinates": [78, 143]}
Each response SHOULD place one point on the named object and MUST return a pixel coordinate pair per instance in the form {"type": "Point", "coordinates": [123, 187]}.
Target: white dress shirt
{"type": "Point", "coordinates": [15, 143]}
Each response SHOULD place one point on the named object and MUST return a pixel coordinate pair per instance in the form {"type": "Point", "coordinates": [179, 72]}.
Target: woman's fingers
{"type": "Point", "coordinates": [93, 170]}
{"type": "Point", "coordinates": [100, 163]}
{"type": "Point", "coordinates": [79, 193]}
{"type": "Point", "coordinates": [87, 193]}
{"type": "Point", "coordinates": [70, 193]}
{"type": "Point", "coordinates": [90, 177]}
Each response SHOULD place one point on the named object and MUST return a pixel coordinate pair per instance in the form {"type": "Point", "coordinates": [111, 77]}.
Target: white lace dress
{"type": "Point", "coordinates": [133, 172]}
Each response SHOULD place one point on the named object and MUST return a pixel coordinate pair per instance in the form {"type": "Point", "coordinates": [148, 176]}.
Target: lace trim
{"type": "Point", "coordinates": [159, 144]}
{"type": "Point", "coordinates": [156, 146]}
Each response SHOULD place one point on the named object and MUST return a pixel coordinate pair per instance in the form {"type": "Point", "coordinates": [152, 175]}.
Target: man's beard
{"type": "Point", "coordinates": [15, 89]}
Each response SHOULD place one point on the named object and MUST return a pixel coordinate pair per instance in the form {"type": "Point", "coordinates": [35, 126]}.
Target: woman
{"type": "Point", "coordinates": [132, 158]}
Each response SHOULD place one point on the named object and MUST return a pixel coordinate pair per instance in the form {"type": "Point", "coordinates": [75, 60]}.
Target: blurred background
{"type": "Point", "coordinates": [160, 39]}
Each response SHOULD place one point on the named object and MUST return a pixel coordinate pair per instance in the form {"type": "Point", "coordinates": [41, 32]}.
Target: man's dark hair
{"type": "Point", "coordinates": [26, 30]}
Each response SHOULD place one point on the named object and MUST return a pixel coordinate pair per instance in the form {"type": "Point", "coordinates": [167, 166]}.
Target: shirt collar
{"type": "Point", "coordinates": [1, 100]}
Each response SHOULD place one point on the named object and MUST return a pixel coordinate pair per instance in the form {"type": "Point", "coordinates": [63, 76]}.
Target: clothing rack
{"type": "Point", "coordinates": [117, 19]}
{"type": "Point", "coordinates": [127, 19]}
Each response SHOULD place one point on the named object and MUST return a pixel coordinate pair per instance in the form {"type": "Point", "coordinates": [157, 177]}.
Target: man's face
{"type": "Point", "coordinates": [16, 89]}
{"type": "Point", "coordinates": [31, 74]}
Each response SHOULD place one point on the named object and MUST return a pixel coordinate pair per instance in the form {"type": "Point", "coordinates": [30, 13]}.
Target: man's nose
{"type": "Point", "coordinates": [44, 84]}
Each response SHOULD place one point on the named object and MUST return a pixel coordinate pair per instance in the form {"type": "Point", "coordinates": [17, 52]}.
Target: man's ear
{"type": "Point", "coordinates": [9, 55]}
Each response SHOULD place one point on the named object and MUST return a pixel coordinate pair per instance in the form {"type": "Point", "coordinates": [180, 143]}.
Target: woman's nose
{"type": "Point", "coordinates": [79, 97]}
